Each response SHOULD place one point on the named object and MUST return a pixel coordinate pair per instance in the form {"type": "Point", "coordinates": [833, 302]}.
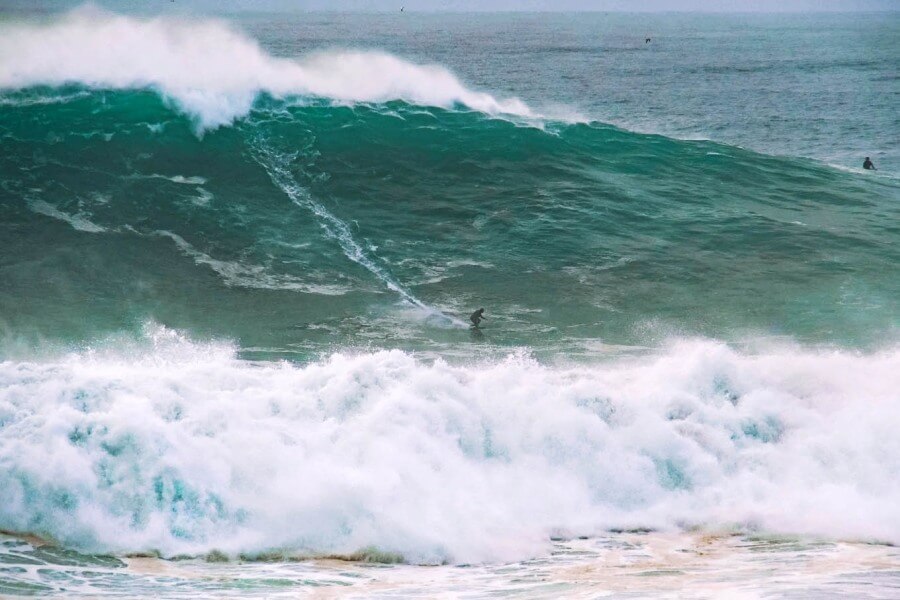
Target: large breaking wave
{"type": "Point", "coordinates": [296, 230]}
{"type": "Point", "coordinates": [214, 72]}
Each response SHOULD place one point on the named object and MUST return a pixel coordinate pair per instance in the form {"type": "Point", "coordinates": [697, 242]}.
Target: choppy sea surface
{"type": "Point", "coordinates": [238, 255]}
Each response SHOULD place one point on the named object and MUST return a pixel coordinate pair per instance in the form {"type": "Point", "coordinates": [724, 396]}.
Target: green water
{"type": "Point", "coordinates": [565, 233]}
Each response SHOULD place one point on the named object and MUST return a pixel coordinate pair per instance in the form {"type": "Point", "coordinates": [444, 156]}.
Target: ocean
{"type": "Point", "coordinates": [238, 255]}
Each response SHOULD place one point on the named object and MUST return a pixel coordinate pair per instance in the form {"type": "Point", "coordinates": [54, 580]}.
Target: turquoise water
{"type": "Point", "coordinates": [564, 233]}
{"type": "Point", "coordinates": [238, 259]}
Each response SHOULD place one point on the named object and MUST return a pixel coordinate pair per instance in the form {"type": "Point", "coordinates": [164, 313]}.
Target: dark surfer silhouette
{"type": "Point", "coordinates": [868, 166]}
{"type": "Point", "coordinates": [477, 317]}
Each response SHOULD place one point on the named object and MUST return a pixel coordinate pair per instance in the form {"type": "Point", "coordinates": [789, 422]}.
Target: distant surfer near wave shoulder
{"type": "Point", "coordinates": [868, 165]}
{"type": "Point", "coordinates": [477, 317]}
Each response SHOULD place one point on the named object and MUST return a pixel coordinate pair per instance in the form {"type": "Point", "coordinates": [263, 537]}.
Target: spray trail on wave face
{"type": "Point", "coordinates": [277, 165]}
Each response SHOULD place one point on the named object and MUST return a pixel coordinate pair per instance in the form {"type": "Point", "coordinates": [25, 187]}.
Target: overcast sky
{"type": "Point", "coordinates": [465, 5]}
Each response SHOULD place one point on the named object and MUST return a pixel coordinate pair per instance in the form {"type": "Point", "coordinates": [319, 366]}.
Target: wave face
{"type": "Point", "coordinates": [182, 448]}
{"type": "Point", "coordinates": [346, 211]}
{"type": "Point", "coordinates": [307, 223]}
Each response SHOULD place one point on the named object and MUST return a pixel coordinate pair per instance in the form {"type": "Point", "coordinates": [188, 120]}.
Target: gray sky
{"type": "Point", "coordinates": [466, 5]}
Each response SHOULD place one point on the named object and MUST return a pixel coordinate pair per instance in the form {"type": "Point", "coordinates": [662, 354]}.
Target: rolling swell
{"type": "Point", "coordinates": [295, 199]}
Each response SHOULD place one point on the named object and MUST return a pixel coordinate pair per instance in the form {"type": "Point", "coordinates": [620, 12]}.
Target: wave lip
{"type": "Point", "coordinates": [214, 72]}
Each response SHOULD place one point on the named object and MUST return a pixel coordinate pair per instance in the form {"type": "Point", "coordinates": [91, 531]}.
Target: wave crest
{"type": "Point", "coordinates": [213, 71]}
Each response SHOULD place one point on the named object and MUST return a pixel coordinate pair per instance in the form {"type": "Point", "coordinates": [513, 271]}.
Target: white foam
{"type": "Point", "coordinates": [861, 171]}
{"type": "Point", "coordinates": [248, 275]}
{"type": "Point", "coordinates": [192, 180]}
{"type": "Point", "coordinates": [213, 71]}
{"type": "Point", "coordinates": [77, 221]}
{"type": "Point", "coordinates": [183, 448]}
{"type": "Point", "coordinates": [42, 100]}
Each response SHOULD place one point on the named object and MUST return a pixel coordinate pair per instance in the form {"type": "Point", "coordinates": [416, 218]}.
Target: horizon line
{"type": "Point", "coordinates": [300, 10]}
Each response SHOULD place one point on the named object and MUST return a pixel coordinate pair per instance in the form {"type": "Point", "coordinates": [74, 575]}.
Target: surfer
{"type": "Point", "coordinates": [477, 316]}
{"type": "Point", "coordinates": [868, 166]}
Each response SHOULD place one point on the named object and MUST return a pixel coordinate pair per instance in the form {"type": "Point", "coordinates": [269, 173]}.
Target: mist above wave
{"type": "Point", "coordinates": [213, 71]}
{"type": "Point", "coordinates": [183, 448]}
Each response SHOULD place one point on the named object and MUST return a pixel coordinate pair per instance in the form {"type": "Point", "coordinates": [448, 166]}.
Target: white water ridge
{"type": "Point", "coordinates": [212, 71]}
{"type": "Point", "coordinates": [183, 448]}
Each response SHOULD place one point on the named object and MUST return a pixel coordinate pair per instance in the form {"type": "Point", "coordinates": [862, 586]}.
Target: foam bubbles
{"type": "Point", "coordinates": [77, 221]}
{"type": "Point", "coordinates": [212, 71]}
{"type": "Point", "coordinates": [184, 448]}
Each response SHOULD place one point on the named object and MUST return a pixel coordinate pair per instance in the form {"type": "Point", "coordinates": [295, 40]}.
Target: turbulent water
{"type": "Point", "coordinates": [238, 261]}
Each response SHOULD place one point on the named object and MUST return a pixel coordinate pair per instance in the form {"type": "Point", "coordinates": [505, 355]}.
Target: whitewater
{"type": "Point", "coordinates": [238, 258]}
{"type": "Point", "coordinates": [214, 72]}
{"type": "Point", "coordinates": [181, 448]}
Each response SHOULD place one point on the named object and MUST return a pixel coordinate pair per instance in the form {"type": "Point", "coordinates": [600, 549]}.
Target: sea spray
{"type": "Point", "coordinates": [213, 71]}
{"type": "Point", "coordinates": [183, 448]}
{"type": "Point", "coordinates": [695, 335]}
